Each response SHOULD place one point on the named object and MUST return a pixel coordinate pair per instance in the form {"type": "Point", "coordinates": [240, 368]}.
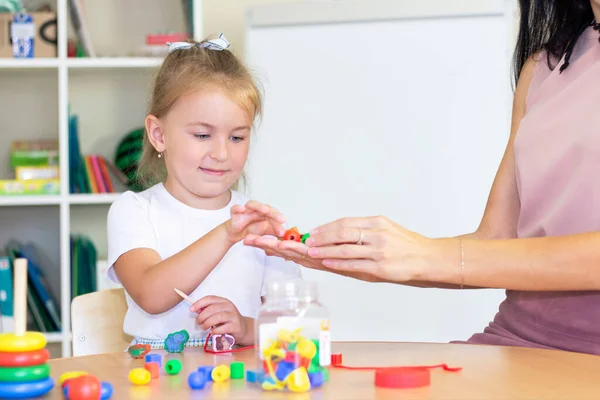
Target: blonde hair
{"type": "Point", "coordinates": [185, 71]}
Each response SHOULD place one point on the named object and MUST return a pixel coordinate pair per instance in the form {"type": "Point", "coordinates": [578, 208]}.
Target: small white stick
{"type": "Point", "coordinates": [20, 299]}
{"type": "Point", "coordinates": [185, 296]}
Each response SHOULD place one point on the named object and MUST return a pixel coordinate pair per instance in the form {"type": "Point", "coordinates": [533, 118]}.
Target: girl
{"type": "Point", "coordinates": [184, 231]}
{"type": "Point", "coordinates": [540, 234]}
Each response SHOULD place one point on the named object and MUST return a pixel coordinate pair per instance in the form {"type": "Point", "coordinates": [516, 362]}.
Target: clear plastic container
{"type": "Point", "coordinates": [293, 339]}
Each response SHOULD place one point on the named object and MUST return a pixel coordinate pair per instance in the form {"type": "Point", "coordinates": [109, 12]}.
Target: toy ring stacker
{"type": "Point", "coordinates": [24, 359]}
{"type": "Point", "coordinates": [30, 341]}
{"type": "Point", "coordinates": [22, 390]}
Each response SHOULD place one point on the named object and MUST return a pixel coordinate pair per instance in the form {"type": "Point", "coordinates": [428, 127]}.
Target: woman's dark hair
{"type": "Point", "coordinates": [550, 25]}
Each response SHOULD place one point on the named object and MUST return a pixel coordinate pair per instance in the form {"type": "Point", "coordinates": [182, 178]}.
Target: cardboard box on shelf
{"type": "Point", "coordinates": [34, 153]}
{"type": "Point", "coordinates": [36, 186]}
{"type": "Point", "coordinates": [44, 34]}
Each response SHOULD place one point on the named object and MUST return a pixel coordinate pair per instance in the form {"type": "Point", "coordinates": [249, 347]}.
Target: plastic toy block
{"type": "Point", "coordinates": [154, 357]}
{"type": "Point", "coordinates": [251, 376]}
{"type": "Point", "coordinates": [207, 369]}
{"type": "Point", "coordinates": [336, 359]}
{"type": "Point", "coordinates": [237, 370]}
{"type": "Point", "coordinates": [153, 368]}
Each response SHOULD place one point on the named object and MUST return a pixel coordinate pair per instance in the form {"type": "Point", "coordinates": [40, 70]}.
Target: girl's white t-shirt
{"type": "Point", "coordinates": [155, 219]}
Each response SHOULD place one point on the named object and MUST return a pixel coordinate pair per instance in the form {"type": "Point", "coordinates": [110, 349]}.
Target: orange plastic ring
{"type": "Point", "coordinates": [24, 359]}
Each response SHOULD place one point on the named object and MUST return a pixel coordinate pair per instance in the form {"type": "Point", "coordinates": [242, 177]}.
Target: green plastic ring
{"type": "Point", "coordinates": [173, 367]}
{"type": "Point", "coordinates": [25, 374]}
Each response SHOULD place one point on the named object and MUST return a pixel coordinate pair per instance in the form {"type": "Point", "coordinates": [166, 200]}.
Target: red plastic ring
{"type": "Point", "coordinates": [24, 359]}
{"type": "Point", "coordinates": [402, 377]}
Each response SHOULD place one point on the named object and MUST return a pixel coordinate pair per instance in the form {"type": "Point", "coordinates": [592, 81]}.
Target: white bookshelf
{"type": "Point", "coordinates": [109, 93]}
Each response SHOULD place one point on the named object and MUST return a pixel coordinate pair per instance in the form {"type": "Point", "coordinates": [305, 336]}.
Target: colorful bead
{"type": "Point", "coordinates": [139, 376]}
{"type": "Point", "coordinates": [173, 367]}
{"type": "Point", "coordinates": [298, 381]}
{"type": "Point", "coordinates": [197, 380]}
{"type": "Point", "coordinates": [304, 237]}
{"type": "Point", "coordinates": [153, 368]}
{"type": "Point", "coordinates": [107, 391]}
{"type": "Point", "coordinates": [83, 387]}
{"type": "Point", "coordinates": [221, 373]}
{"type": "Point", "coordinates": [306, 349]}
{"type": "Point", "coordinates": [207, 369]}
{"type": "Point", "coordinates": [154, 357]}
{"type": "Point", "coordinates": [316, 379]}
{"type": "Point", "coordinates": [292, 234]}
{"type": "Point", "coordinates": [253, 376]}
{"type": "Point", "coordinates": [237, 370]}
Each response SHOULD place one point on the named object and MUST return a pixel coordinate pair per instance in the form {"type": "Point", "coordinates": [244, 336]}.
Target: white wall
{"type": "Point", "coordinates": [384, 111]}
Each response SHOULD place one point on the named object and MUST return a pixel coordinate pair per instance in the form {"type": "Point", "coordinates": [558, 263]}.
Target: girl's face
{"type": "Point", "coordinates": [205, 140]}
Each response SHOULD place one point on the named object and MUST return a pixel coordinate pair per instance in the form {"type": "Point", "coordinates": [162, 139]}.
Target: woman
{"type": "Point", "coordinates": [539, 236]}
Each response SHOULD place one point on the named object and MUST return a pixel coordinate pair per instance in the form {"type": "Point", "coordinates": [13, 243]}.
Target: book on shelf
{"type": "Point", "coordinates": [7, 320]}
{"type": "Point", "coordinates": [84, 260]}
{"type": "Point", "coordinates": [42, 307]}
{"type": "Point", "coordinates": [90, 173]}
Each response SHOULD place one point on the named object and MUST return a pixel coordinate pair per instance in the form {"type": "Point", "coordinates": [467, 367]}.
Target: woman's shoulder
{"type": "Point", "coordinates": [534, 73]}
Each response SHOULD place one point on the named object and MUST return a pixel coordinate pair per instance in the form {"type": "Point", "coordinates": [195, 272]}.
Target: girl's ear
{"type": "Point", "coordinates": [154, 129]}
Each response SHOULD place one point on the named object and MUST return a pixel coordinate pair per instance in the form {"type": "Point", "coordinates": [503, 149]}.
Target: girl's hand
{"type": "Point", "coordinates": [221, 316]}
{"type": "Point", "coordinates": [254, 218]}
{"type": "Point", "coordinates": [297, 252]}
{"type": "Point", "coordinates": [373, 245]}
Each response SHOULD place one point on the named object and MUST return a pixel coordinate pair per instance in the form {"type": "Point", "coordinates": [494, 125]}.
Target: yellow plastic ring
{"type": "Point", "coordinates": [30, 341]}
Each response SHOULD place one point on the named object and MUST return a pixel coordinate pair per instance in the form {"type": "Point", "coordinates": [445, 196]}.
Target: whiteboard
{"type": "Point", "coordinates": [392, 108]}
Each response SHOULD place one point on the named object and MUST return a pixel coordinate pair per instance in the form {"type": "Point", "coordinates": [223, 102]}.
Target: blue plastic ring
{"type": "Point", "coordinates": [24, 390]}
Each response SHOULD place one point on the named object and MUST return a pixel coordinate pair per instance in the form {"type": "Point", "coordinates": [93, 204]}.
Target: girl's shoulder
{"type": "Point", "coordinates": [129, 198]}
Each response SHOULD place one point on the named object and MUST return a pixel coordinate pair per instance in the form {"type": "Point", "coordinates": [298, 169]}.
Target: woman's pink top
{"type": "Point", "coordinates": [557, 163]}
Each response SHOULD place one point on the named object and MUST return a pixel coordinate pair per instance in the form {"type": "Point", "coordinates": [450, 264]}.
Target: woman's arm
{"type": "Point", "coordinates": [558, 263]}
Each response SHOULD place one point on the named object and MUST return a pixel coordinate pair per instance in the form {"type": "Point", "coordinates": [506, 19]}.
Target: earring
{"type": "Point", "coordinates": [160, 154]}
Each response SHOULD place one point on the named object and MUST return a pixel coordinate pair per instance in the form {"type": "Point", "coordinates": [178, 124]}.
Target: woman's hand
{"type": "Point", "coordinates": [372, 245]}
{"type": "Point", "coordinates": [254, 218]}
{"type": "Point", "coordinates": [221, 316]}
{"type": "Point", "coordinates": [297, 252]}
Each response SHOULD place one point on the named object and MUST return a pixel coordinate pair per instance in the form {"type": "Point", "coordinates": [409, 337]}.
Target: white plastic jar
{"type": "Point", "coordinates": [293, 338]}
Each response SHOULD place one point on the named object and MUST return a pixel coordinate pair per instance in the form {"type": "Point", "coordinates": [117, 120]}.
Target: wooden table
{"type": "Point", "coordinates": [489, 373]}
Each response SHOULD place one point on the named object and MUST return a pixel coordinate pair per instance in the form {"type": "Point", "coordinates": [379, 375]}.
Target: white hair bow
{"type": "Point", "coordinates": [218, 44]}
